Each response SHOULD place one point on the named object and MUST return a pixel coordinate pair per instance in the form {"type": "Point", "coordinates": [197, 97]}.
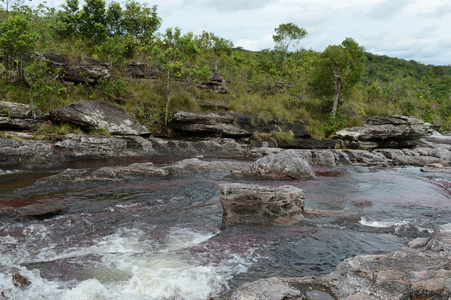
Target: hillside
{"type": "Point", "coordinates": [296, 86]}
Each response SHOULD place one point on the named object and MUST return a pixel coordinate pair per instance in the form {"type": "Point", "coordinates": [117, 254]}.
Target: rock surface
{"type": "Point", "coordinates": [408, 273]}
{"type": "Point", "coordinates": [71, 177]}
{"type": "Point", "coordinates": [90, 115]}
{"type": "Point", "coordinates": [196, 166]}
{"type": "Point", "coordinates": [385, 132]}
{"type": "Point", "coordinates": [250, 204]}
{"type": "Point", "coordinates": [207, 124]}
{"type": "Point", "coordinates": [285, 165]}
{"type": "Point", "coordinates": [217, 83]}
{"type": "Point", "coordinates": [141, 70]}
{"type": "Point", "coordinates": [33, 211]}
{"type": "Point", "coordinates": [27, 153]}
{"type": "Point", "coordinates": [87, 69]}
{"type": "Point", "coordinates": [20, 124]}
{"type": "Point", "coordinates": [20, 111]}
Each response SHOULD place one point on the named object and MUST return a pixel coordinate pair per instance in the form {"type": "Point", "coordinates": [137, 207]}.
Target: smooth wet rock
{"type": "Point", "coordinates": [250, 204]}
{"type": "Point", "coordinates": [285, 165]}
{"type": "Point", "coordinates": [90, 115]}
{"type": "Point", "coordinates": [71, 177]}
{"type": "Point", "coordinates": [40, 211]}
{"type": "Point", "coordinates": [20, 281]}
{"type": "Point", "coordinates": [265, 289]}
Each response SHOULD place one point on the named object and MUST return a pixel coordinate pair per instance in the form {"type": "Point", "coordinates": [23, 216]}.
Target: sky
{"type": "Point", "coordinates": [417, 30]}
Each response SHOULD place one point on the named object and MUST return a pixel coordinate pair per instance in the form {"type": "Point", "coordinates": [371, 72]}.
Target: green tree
{"type": "Point", "coordinates": [174, 55]}
{"type": "Point", "coordinates": [93, 21]}
{"type": "Point", "coordinates": [114, 19]}
{"type": "Point", "coordinates": [216, 46]}
{"type": "Point", "coordinates": [69, 19]}
{"type": "Point", "coordinates": [287, 35]}
{"type": "Point", "coordinates": [140, 21]}
{"type": "Point", "coordinates": [17, 41]}
{"type": "Point", "coordinates": [339, 67]}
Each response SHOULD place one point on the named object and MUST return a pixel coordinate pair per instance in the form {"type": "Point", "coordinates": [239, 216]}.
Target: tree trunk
{"type": "Point", "coordinates": [168, 98]}
{"type": "Point", "coordinates": [216, 62]}
{"type": "Point", "coordinates": [336, 93]}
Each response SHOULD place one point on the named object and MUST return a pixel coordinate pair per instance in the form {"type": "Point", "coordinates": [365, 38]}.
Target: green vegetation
{"type": "Point", "coordinates": [325, 90]}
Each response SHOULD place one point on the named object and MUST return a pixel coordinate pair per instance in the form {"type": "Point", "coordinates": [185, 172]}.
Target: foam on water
{"type": "Point", "coordinates": [7, 172]}
{"type": "Point", "coordinates": [126, 265]}
{"type": "Point", "coordinates": [382, 223]}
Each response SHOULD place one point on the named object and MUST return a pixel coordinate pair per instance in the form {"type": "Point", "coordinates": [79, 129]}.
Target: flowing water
{"type": "Point", "coordinates": [160, 239]}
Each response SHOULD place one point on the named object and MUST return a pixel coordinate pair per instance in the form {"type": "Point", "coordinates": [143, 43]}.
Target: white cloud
{"type": "Point", "coordinates": [230, 5]}
{"type": "Point", "coordinates": [388, 9]}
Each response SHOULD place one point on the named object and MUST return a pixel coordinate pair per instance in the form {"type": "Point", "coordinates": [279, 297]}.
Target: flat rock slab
{"type": "Point", "coordinates": [250, 204]}
{"type": "Point", "coordinates": [90, 115]}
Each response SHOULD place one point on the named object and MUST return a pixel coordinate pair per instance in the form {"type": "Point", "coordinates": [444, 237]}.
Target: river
{"type": "Point", "coordinates": [160, 239]}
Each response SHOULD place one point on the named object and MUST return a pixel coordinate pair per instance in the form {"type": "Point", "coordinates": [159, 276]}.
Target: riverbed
{"type": "Point", "coordinates": [153, 238]}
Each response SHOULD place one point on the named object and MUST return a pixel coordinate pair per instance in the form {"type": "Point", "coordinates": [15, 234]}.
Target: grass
{"type": "Point", "coordinates": [280, 136]}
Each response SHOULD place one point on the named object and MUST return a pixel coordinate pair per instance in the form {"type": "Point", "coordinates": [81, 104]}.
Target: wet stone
{"type": "Point", "coordinates": [251, 204]}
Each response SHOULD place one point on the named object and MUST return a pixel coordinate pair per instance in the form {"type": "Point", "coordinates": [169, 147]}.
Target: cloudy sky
{"type": "Point", "coordinates": [409, 29]}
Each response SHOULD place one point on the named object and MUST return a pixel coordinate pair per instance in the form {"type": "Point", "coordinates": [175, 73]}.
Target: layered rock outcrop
{"type": "Point", "coordinates": [90, 115]}
{"type": "Point", "coordinates": [385, 132]}
{"type": "Point", "coordinates": [86, 69]}
{"type": "Point", "coordinates": [18, 116]}
{"type": "Point", "coordinates": [249, 204]}
{"type": "Point", "coordinates": [207, 124]}
{"type": "Point", "coordinates": [245, 128]}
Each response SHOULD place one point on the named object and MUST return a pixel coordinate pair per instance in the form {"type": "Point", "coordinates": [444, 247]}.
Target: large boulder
{"type": "Point", "coordinates": [90, 115]}
{"type": "Point", "coordinates": [86, 69]}
{"type": "Point", "coordinates": [284, 165]}
{"type": "Point", "coordinates": [385, 132]}
{"type": "Point", "coordinates": [250, 204]}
